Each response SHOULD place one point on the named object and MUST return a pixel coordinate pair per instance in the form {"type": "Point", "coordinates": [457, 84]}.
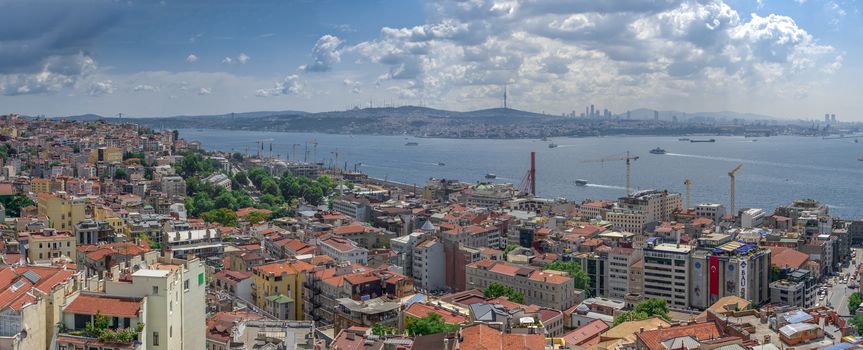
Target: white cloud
{"type": "Point", "coordinates": [99, 88]}
{"type": "Point", "coordinates": [325, 54]}
{"type": "Point", "coordinates": [57, 73]}
{"type": "Point", "coordinates": [204, 91]}
{"type": "Point", "coordinates": [291, 85]}
{"type": "Point", "coordinates": [354, 86]}
{"type": "Point", "coordinates": [243, 58]}
{"type": "Point", "coordinates": [145, 88]}
{"type": "Point", "coordinates": [191, 58]}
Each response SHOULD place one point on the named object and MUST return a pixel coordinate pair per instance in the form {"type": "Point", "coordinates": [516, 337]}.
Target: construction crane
{"type": "Point", "coordinates": [628, 159]}
{"type": "Point", "coordinates": [731, 176]}
{"type": "Point", "coordinates": [688, 184]}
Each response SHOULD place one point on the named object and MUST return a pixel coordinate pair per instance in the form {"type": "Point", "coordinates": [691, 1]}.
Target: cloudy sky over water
{"type": "Point", "coordinates": [787, 58]}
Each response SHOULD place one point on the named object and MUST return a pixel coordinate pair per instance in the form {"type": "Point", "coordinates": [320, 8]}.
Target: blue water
{"type": "Point", "coordinates": [775, 170]}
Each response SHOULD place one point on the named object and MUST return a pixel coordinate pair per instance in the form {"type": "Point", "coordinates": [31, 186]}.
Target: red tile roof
{"type": "Point", "coordinates": [700, 331]}
{"type": "Point", "coordinates": [587, 334]}
{"type": "Point", "coordinates": [786, 257]}
{"type": "Point", "coordinates": [420, 310]}
{"type": "Point", "coordinates": [483, 337]}
{"type": "Point", "coordinates": [105, 305]}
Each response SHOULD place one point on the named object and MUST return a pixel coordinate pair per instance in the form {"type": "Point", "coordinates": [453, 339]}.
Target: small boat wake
{"type": "Point", "coordinates": [611, 187]}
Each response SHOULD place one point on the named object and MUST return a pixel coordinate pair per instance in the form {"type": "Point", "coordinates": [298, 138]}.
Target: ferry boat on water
{"type": "Point", "coordinates": [490, 176]}
{"type": "Point", "coordinates": [412, 144]}
{"type": "Point", "coordinates": [657, 150]}
{"type": "Point", "coordinates": [581, 182]}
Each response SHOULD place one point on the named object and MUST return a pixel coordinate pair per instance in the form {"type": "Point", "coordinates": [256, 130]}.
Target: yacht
{"type": "Point", "coordinates": [581, 182]}
{"type": "Point", "coordinates": [441, 164]}
{"type": "Point", "coordinates": [412, 144]}
{"type": "Point", "coordinates": [490, 176]}
{"type": "Point", "coordinates": [702, 140]}
{"type": "Point", "coordinates": [657, 150]}
{"type": "Point", "coordinates": [552, 145]}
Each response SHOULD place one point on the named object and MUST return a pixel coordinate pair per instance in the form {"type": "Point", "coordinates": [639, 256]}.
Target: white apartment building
{"type": "Point", "coordinates": [712, 211]}
{"type": "Point", "coordinates": [619, 261]}
{"type": "Point", "coordinates": [428, 265]}
{"type": "Point", "coordinates": [752, 217]}
{"type": "Point", "coordinates": [666, 272]}
{"type": "Point", "coordinates": [343, 249]}
{"type": "Point", "coordinates": [176, 302]}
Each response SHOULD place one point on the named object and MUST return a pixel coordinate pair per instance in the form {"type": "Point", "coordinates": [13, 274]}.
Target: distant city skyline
{"type": "Point", "coordinates": [788, 59]}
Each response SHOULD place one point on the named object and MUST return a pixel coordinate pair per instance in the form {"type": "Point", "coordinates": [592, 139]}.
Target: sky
{"type": "Point", "coordinates": [784, 58]}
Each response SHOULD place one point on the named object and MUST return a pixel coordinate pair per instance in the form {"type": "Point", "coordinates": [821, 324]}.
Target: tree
{"type": "Point", "coordinates": [13, 204]}
{"type": "Point", "coordinates": [241, 178]}
{"type": "Point", "coordinates": [120, 174]}
{"type": "Point", "coordinates": [380, 330]}
{"type": "Point", "coordinates": [857, 321]}
{"type": "Point", "coordinates": [644, 310]}
{"type": "Point", "coordinates": [269, 186]}
{"type": "Point", "coordinates": [223, 216]}
{"type": "Point", "coordinates": [579, 276]}
{"type": "Point", "coordinates": [495, 290]}
{"type": "Point", "coordinates": [237, 156]}
{"type": "Point", "coordinates": [854, 302]}
{"type": "Point", "coordinates": [256, 217]}
{"type": "Point", "coordinates": [510, 247]}
{"type": "Point", "coordinates": [775, 273]}
{"type": "Point", "coordinates": [431, 324]}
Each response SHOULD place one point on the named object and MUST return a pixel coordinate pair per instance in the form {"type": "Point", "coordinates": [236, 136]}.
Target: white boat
{"type": "Point", "coordinates": [552, 145]}
{"type": "Point", "coordinates": [657, 150]}
{"type": "Point", "coordinates": [490, 176]}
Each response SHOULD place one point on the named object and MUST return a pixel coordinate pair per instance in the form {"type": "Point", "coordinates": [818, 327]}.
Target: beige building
{"type": "Point", "coordinates": [553, 289]}
{"type": "Point", "coordinates": [49, 244]}
{"type": "Point", "coordinates": [63, 211]}
{"type": "Point", "coordinates": [32, 296]}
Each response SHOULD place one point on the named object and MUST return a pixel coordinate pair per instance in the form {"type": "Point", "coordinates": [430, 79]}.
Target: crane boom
{"type": "Point", "coordinates": [731, 175]}
{"type": "Point", "coordinates": [626, 158]}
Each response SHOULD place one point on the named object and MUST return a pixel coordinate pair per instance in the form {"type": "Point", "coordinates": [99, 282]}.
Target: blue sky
{"type": "Point", "coordinates": [787, 58]}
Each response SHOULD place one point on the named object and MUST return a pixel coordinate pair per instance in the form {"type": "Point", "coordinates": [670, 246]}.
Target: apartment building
{"type": "Point", "coordinates": [173, 186]}
{"type": "Point", "coordinates": [63, 211]}
{"type": "Point", "coordinates": [712, 211]}
{"type": "Point", "coordinates": [619, 261]}
{"type": "Point", "coordinates": [637, 211]}
{"type": "Point", "coordinates": [30, 304]}
{"type": "Point", "coordinates": [49, 244]}
{"type": "Point", "coordinates": [797, 289]}
{"type": "Point", "coordinates": [174, 290]}
{"type": "Point", "coordinates": [666, 272]}
{"type": "Point", "coordinates": [547, 288]}
{"type": "Point", "coordinates": [279, 288]}
{"type": "Point", "coordinates": [428, 265]}
{"type": "Point", "coordinates": [635, 292]}
{"type": "Point", "coordinates": [343, 249]}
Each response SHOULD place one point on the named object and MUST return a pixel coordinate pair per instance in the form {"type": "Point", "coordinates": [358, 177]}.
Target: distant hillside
{"type": "Point", "coordinates": [648, 114]}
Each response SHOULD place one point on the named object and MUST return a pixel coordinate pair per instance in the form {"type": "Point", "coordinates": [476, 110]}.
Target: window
{"type": "Point", "coordinates": [186, 285]}
{"type": "Point", "coordinates": [155, 289]}
{"type": "Point", "coordinates": [155, 338]}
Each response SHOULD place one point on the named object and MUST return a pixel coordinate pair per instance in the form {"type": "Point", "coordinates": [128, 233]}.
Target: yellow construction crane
{"type": "Point", "coordinates": [731, 176]}
{"type": "Point", "coordinates": [628, 159]}
{"type": "Point", "coordinates": [688, 184]}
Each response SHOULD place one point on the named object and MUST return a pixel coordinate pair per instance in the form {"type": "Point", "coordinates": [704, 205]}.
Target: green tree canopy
{"type": "Point", "coordinates": [579, 276]}
{"type": "Point", "coordinates": [431, 324]}
{"type": "Point", "coordinates": [854, 302]}
{"type": "Point", "coordinates": [13, 204]}
{"type": "Point", "coordinates": [495, 290]}
{"type": "Point", "coordinates": [644, 310]}
{"type": "Point", "coordinates": [223, 216]}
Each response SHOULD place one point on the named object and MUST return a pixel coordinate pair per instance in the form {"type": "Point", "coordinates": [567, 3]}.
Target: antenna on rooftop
{"type": "Point", "coordinates": [504, 96]}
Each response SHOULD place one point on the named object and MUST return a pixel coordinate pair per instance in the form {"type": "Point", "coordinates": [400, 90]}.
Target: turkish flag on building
{"type": "Point", "coordinates": [714, 275]}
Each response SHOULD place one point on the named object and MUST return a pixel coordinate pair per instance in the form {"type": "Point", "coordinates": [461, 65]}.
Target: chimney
{"type": "Point", "coordinates": [641, 330]}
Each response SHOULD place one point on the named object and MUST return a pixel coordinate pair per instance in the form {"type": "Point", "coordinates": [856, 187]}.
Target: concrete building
{"type": "Point", "coordinates": [278, 288]}
{"type": "Point", "coordinates": [30, 304]}
{"type": "Point", "coordinates": [203, 243]}
{"type": "Point", "coordinates": [404, 248]}
{"type": "Point", "coordinates": [174, 290]}
{"type": "Point", "coordinates": [355, 207]}
{"type": "Point", "coordinates": [712, 211]}
{"type": "Point", "coordinates": [639, 210]}
{"type": "Point", "coordinates": [173, 186]}
{"type": "Point", "coordinates": [350, 313]}
{"type": "Point", "coordinates": [548, 288]}
{"type": "Point", "coordinates": [619, 261]}
{"type": "Point", "coordinates": [752, 217]}
{"type": "Point", "coordinates": [797, 289]}
{"type": "Point", "coordinates": [635, 293]}
{"type": "Point", "coordinates": [732, 269]}
{"type": "Point", "coordinates": [241, 330]}
{"type": "Point", "coordinates": [62, 211]}
{"type": "Point", "coordinates": [488, 195]}
{"type": "Point", "coordinates": [428, 265]}
{"type": "Point", "coordinates": [666, 273]}
{"type": "Point", "coordinates": [49, 244]}
{"type": "Point", "coordinates": [343, 249]}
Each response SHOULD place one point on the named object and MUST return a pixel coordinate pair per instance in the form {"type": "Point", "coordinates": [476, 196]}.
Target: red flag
{"type": "Point", "coordinates": [714, 275]}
